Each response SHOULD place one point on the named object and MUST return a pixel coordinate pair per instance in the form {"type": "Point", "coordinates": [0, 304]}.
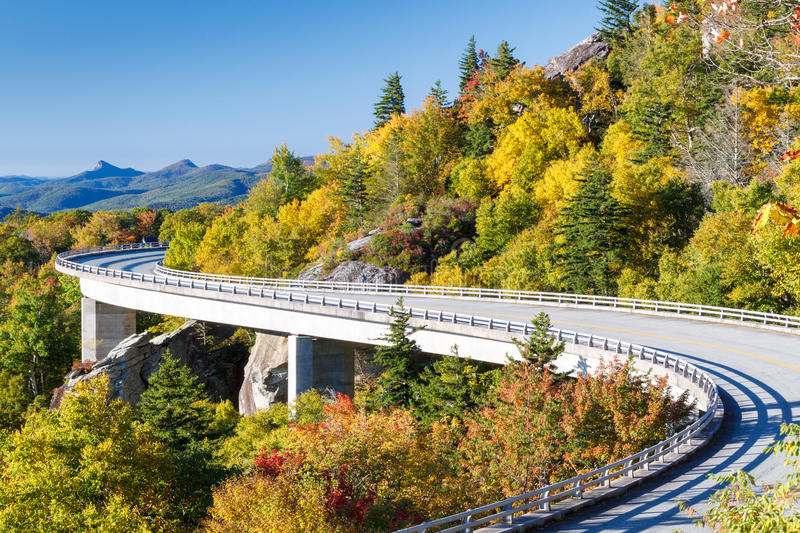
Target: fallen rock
{"type": "Point", "coordinates": [266, 374]}
{"type": "Point", "coordinates": [571, 60]}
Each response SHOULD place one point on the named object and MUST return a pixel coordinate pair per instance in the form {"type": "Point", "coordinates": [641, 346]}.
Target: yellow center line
{"type": "Point", "coordinates": [654, 335]}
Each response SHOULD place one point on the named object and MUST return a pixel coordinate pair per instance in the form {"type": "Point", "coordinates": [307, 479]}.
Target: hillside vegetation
{"type": "Point", "coordinates": [660, 159]}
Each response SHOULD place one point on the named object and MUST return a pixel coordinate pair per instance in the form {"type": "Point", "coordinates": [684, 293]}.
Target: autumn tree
{"type": "Point", "coordinates": [513, 444]}
{"type": "Point", "coordinates": [392, 101]}
{"type": "Point", "coordinates": [354, 471]}
{"type": "Point", "coordinates": [617, 411]}
{"type": "Point", "coordinates": [294, 181]}
{"type": "Point", "coordinates": [414, 153]}
{"type": "Point", "coordinates": [85, 467]}
{"type": "Point", "coordinates": [39, 336]}
{"type": "Point", "coordinates": [349, 167]}
{"type": "Point", "coordinates": [539, 136]}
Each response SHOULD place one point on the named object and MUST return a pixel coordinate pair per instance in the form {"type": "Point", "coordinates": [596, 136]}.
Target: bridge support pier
{"type": "Point", "coordinates": [103, 326]}
{"type": "Point", "coordinates": [320, 364]}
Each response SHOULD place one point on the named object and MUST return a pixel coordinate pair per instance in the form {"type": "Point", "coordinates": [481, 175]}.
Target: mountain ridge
{"type": "Point", "coordinates": [178, 185]}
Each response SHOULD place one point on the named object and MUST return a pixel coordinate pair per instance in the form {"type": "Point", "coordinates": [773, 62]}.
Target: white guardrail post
{"type": "Point", "coordinates": [538, 499]}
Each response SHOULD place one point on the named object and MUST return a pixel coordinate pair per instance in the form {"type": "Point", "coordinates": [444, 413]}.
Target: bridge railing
{"type": "Point", "coordinates": [502, 511]}
{"type": "Point", "coordinates": [545, 298]}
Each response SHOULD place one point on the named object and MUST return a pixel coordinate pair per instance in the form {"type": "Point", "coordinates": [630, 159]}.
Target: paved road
{"type": "Point", "coordinates": [758, 373]}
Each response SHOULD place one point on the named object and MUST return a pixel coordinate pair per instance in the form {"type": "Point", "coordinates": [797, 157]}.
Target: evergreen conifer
{"type": "Point", "coordinates": [593, 232]}
{"type": "Point", "coordinates": [171, 405]}
{"type": "Point", "coordinates": [504, 62]}
{"type": "Point", "coordinates": [353, 188]}
{"type": "Point", "coordinates": [392, 100]}
{"type": "Point", "coordinates": [539, 349]}
{"type": "Point", "coordinates": [451, 386]}
{"type": "Point", "coordinates": [468, 65]}
{"type": "Point", "coordinates": [397, 358]}
{"type": "Point", "coordinates": [438, 94]}
{"type": "Point", "coordinates": [616, 21]}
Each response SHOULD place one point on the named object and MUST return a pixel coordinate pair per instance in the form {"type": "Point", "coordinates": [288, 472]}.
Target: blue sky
{"type": "Point", "coordinates": [144, 83]}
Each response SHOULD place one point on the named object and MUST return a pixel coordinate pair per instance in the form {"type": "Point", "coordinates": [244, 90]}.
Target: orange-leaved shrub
{"type": "Point", "coordinates": [537, 431]}
{"type": "Point", "coordinates": [354, 471]}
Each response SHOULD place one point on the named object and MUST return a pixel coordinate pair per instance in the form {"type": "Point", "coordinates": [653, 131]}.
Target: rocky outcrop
{"type": "Point", "coordinates": [356, 272]}
{"type": "Point", "coordinates": [129, 365]}
{"type": "Point", "coordinates": [266, 374]}
{"type": "Point", "coordinates": [361, 272]}
{"type": "Point", "coordinates": [571, 60]}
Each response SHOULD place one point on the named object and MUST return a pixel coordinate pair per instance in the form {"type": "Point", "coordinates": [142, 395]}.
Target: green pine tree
{"type": "Point", "coordinates": [468, 65]}
{"type": "Point", "coordinates": [176, 410]}
{"type": "Point", "coordinates": [392, 100]}
{"type": "Point", "coordinates": [438, 94]}
{"type": "Point", "coordinates": [616, 22]}
{"type": "Point", "coordinates": [398, 360]}
{"type": "Point", "coordinates": [504, 62]}
{"type": "Point", "coordinates": [353, 188]}
{"type": "Point", "coordinates": [172, 405]}
{"type": "Point", "coordinates": [652, 125]}
{"type": "Point", "coordinates": [593, 235]}
{"type": "Point", "coordinates": [451, 387]}
{"type": "Point", "coordinates": [539, 349]}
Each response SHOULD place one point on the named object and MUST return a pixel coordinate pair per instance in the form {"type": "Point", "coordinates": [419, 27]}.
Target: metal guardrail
{"type": "Point", "coordinates": [500, 511]}
{"type": "Point", "coordinates": [547, 298]}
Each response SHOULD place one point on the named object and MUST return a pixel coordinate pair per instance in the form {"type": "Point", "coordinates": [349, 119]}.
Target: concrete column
{"type": "Point", "coordinates": [103, 326]}
{"type": "Point", "coordinates": [319, 364]}
{"type": "Point", "coordinates": [333, 366]}
{"type": "Point", "coordinates": [301, 366]}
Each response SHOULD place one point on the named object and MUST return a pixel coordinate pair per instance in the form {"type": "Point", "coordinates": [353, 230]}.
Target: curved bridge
{"type": "Point", "coordinates": [749, 361]}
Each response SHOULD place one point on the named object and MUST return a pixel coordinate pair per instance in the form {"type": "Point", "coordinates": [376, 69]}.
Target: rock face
{"type": "Point", "coordinates": [361, 272]}
{"type": "Point", "coordinates": [356, 272]}
{"type": "Point", "coordinates": [130, 364]}
{"type": "Point", "coordinates": [266, 374]}
{"type": "Point", "coordinates": [571, 60]}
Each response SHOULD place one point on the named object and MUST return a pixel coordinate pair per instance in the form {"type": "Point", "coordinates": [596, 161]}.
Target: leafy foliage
{"type": "Point", "coordinates": [85, 467]}
{"type": "Point", "coordinates": [742, 506]}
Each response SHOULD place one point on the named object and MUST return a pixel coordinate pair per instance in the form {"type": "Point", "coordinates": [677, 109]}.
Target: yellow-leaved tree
{"type": "Point", "coordinates": [414, 153]}
{"type": "Point", "coordinates": [278, 246]}
{"type": "Point", "coordinates": [540, 136]}
{"type": "Point", "coordinates": [502, 101]}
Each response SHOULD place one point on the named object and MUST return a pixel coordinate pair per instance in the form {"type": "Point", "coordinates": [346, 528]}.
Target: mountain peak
{"type": "Point", "coordinates": [101, 165]}
{"type": "Point", "coordinates": [183, 163]}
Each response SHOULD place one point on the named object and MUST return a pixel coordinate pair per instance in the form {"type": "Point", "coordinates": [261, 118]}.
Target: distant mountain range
{"type": "Point", "coordinates": [177, 186]}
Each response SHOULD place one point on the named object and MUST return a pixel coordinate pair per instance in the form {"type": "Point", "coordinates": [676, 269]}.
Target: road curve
{"type": "Point", "coordinates": [757, 371]}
